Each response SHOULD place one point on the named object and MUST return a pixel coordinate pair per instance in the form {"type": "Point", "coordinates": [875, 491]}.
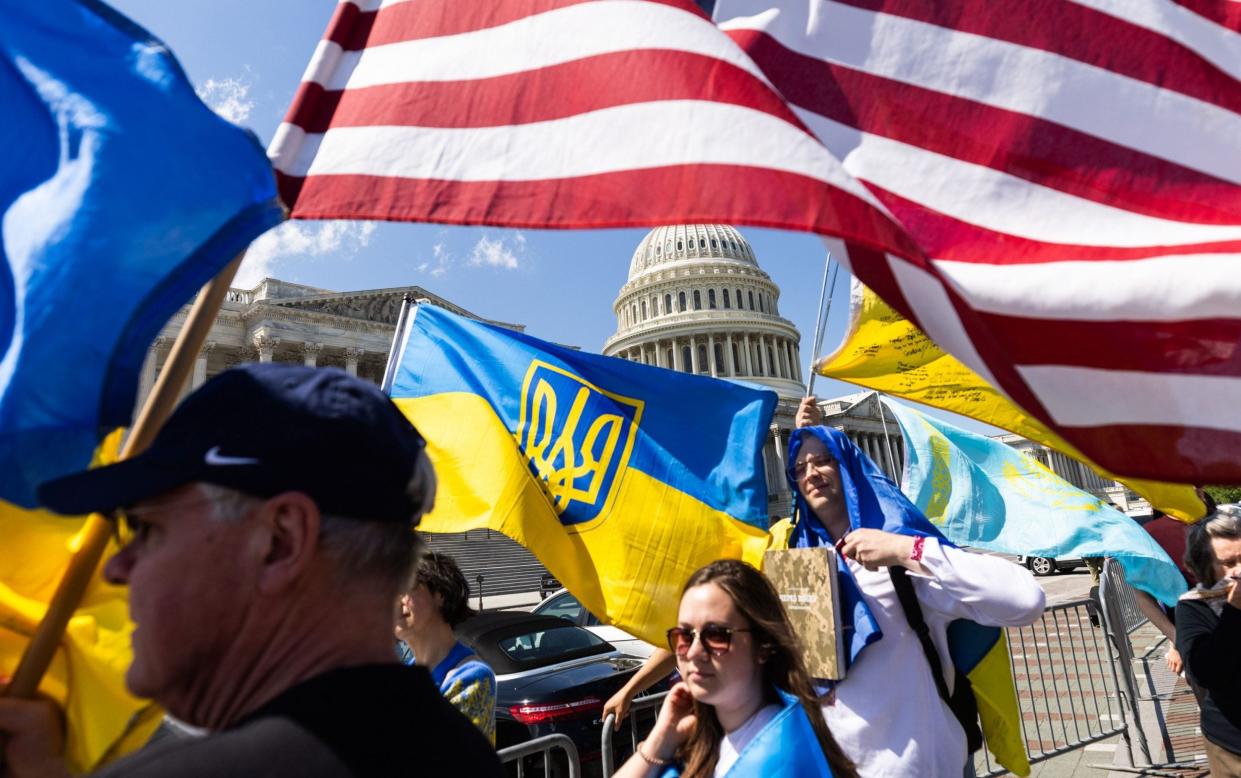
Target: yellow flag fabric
{"type": "Point", "coordinates": [884, 351]}
{"type": "Point", "coordinates": [621, 478]}
{"type": "Point", "coordinates": [87, 675]}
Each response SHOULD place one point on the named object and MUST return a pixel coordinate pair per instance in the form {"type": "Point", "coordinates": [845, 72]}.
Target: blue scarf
{"type": "Point", "coordinates": [873, 502]}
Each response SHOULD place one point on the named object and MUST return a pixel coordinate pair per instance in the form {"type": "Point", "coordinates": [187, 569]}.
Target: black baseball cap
{"type": "Point", "coordinates": [263, 429]}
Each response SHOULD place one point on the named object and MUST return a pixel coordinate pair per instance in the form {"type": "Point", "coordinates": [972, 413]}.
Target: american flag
{"type": "Point", "coordinates": [1051, 189]}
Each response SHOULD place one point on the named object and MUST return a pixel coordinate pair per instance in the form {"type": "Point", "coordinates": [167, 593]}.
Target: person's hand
{"type": "Point", "coordinates": [1173, 658]}
{"type": "Point", "coordinates": [675, 724]}
{"type": "Point", "coordinates": [1234, 594]}
{"type": "Point", "coordinates": [618, 705]}
{"type": "Point", "coordinates": [873, 548]}
{"type": "Point", "coordinates": [808, 413]}
{"type": "Point", "coordinates": [33, 736]}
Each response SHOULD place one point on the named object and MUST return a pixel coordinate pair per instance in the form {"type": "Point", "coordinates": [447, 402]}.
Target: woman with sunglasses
{"type": "Point", "coordinates": [746, 705]}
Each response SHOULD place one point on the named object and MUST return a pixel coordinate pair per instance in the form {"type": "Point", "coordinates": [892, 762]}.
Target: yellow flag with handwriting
{"type": "Point", "coordinates": [87, 675]}
{"type": "Point", "coordinates": [884, 351]}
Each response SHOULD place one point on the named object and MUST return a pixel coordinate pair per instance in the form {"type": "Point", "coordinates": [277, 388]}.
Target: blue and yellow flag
{"type": "Point", "coordinates": [622, 478]}
{"type": "Point", "coordinates": [986, 494]}
{"type": "Point", "coordinates": [87, 675]}
{"type": "Point", "coordinates": [121, 194]}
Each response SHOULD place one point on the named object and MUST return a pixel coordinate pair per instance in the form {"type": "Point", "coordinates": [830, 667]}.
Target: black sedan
{"type": "Point", "coordinates": [551, 676]}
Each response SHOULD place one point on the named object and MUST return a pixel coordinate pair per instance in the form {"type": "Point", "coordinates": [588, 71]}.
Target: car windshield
{"type": "Point", "coordinates": [547, 645]}
{"type": "Point", "coordinates": [565, 606]}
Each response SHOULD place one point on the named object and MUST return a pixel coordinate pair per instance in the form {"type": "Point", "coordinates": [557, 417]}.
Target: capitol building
{"type": "Point", "coordinates": [696, 300]}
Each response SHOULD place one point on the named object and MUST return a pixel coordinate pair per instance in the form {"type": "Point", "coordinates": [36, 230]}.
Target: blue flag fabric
{"type": "Point", "coordinates": [786, 747]}
{"type": "Point", "coordinates": [121, 195]}
{"type": "Point", "coordinates": [986, 494]}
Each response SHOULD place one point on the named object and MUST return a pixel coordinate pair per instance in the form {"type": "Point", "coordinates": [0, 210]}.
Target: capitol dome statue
{"type": "Point", "coordinates": [697, 301]}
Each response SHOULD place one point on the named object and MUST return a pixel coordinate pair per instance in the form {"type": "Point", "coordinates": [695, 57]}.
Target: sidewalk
{"type": "Point", "coordinates": [1168, 710]}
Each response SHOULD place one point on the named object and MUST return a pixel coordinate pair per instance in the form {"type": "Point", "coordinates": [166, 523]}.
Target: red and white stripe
{"type": "Point", "coordinates": [555, 113]}
{"type": "Point", "coordinates": [1072, 168]}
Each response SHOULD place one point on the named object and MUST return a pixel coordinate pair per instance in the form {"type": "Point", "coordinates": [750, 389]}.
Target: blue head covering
{"type": "Point", "coordinates": [873, 502]}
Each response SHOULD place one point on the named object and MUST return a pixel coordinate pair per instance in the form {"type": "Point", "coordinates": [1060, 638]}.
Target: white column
{"type": "Point", "coordinates": [749, 366]}
{"type": "Point", "coordinates": [788, 358]}
{"type": "Point", "coordinates": [711, 355]}
{"type": "Point", "coordinates": [352, 355]}
{"type": "Point", "coordinates": [676, 355]}
{"type": "Point", "coordinates": [797, 361]}
{"type": "Point", "coordinates": [266, 346]}
{"type": "Point", "coordinates": [728, 355]}
{"type": "Point", "coordinates": [146, 379]}
{"type": "Point", "coordinates": [659, 354]}
{"type": "Point", "coordinates": [693, 354]}
{"type": "Point", "coordinates": [310, 354]}
{"type": "Point", "coordinates": [200, 365]}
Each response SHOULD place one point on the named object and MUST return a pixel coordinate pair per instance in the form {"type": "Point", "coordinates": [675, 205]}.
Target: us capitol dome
{"type": "Point", "coordinates": [697, 301]}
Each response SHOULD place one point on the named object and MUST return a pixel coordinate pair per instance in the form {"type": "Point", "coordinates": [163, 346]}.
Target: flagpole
{"type": "Point", "coordinates": [398, 339]}
{"type": "Point", "coordinates": [887, 444]}
{"type": "Point", "coordinates": [97, 530]}
{"type": "Point", "coordinates": [825, 308]}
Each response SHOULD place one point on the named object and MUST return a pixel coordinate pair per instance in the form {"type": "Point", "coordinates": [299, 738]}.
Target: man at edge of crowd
{"type": "Point", "coordinates": [272, 524]}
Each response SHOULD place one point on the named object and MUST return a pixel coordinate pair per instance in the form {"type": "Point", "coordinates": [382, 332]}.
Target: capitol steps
{"type": "Point", "coordinates": [506, 566]}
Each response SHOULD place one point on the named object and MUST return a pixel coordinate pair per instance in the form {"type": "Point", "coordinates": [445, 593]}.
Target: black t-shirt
{"type": "Point", "coordinates": [1210, 646]}
{"type": "Point", "coordinates": [373, 720]}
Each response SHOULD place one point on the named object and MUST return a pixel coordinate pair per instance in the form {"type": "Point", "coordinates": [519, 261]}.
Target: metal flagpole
{"type": "Point", "coordinates": [825, 308]}
{"type": "Point", "coordinates": [398, 341]}
{"type": "Point", "coordinates": [95, 534]}
{"type": "Point", "coordinates": [897, 475]}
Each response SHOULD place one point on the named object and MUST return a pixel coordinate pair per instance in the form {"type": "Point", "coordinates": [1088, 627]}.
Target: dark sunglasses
{"type": "Point", "coordinates": [716, 638]}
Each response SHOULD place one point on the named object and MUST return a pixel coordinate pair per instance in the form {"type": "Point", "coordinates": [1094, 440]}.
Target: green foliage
{"type": "Point", "coordinates": [1224, 493]}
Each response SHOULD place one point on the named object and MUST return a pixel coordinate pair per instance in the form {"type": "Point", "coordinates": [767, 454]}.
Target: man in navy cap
{"type": "Point", "coordinates": [269, 529]}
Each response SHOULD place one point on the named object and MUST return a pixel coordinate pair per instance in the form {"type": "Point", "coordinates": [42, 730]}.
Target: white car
{"type": "Point", "coordinates": [566, 606]}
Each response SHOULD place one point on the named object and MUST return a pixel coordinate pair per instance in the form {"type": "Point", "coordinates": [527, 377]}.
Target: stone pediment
{"type": "Point", "coordinates": [379, 306]}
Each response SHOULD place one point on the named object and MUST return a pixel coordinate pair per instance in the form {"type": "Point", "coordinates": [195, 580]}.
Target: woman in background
{"type": "Point", "coordinates": [746, 706]}
{"type": "Point", "coordinates": [1208, 634]}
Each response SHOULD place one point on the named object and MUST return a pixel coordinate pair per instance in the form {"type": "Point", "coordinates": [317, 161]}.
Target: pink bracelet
{"type": "Point", "coordinates": [916, 553]}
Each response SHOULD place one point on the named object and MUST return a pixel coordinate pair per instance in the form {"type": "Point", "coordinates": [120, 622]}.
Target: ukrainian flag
{"type": "Point", "coordinates": [622, 478]}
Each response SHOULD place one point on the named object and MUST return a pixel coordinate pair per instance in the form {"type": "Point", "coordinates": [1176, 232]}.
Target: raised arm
{"type": "Point", "coordinates": [987, 589]}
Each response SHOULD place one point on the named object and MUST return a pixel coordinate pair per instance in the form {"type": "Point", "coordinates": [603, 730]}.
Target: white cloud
{"type": "Point", "coordinates": [229, 97]}
{"type": "Point", "coordinates": [301, 239]}
{"type": "Point", "coordinates": [505, 252]}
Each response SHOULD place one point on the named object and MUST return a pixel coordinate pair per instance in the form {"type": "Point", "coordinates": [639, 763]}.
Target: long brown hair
{"type": "Point", "coordinates": [756, 599]}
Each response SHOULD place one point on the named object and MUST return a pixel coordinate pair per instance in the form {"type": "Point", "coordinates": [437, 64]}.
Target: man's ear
{"type": "Point", "coordinates": [292, 523]}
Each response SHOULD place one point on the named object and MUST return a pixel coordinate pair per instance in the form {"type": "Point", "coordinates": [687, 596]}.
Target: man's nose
{"type": "Point", "coordinates": [117, 570]}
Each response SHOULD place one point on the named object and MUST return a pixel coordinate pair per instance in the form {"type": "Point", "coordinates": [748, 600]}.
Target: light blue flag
{"type": "Point", "coordinates": [121, 194]}
{"type": "Point", "coordinates": [983, 493]}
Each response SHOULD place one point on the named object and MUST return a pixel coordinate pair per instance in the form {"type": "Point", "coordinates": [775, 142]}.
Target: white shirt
{"type": "Point", "coordinates": [733, 743]}
{"type": "Point", "coordinates": [887, 715]}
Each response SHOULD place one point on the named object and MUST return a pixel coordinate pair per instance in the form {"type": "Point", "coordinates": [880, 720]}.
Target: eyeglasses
{"type": "Point", "coordinates": [818, 461]}
{"type": "Point", "coordinates": [716, 638]}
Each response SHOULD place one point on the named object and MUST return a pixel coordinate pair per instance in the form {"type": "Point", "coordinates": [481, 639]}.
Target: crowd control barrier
{"type": "Point", "coordinates": [641, 718]}
{"type": "Point", "coordinates": [545, 747]}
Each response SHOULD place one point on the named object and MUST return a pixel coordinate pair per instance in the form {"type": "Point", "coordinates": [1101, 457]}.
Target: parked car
{"type": "Point", "coordinates": [566, 606]}
{"type": "Point", "coordinates": [548, 584]}
{"type": "Point", "coordinates": [551, 676]}
{"type": "Point", "coordinates": [1042, 565]}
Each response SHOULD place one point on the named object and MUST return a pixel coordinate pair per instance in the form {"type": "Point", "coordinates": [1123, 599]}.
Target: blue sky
{"type": "Point", "coordinates": [246, 59]}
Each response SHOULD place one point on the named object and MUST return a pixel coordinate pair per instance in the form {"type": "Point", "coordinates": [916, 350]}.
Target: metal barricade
{"type": "Point", "coordinates": [543, 746]}
{"type": "Point", "coordinates": [1121, 616]}
{"type": "Point", "coordinates": [608, 745]}
{"type": "Point", "coordinates": [1067, 685]}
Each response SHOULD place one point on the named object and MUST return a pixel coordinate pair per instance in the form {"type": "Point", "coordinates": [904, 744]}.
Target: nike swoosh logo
{"type": "Point", "coordinates": [214, 457]}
